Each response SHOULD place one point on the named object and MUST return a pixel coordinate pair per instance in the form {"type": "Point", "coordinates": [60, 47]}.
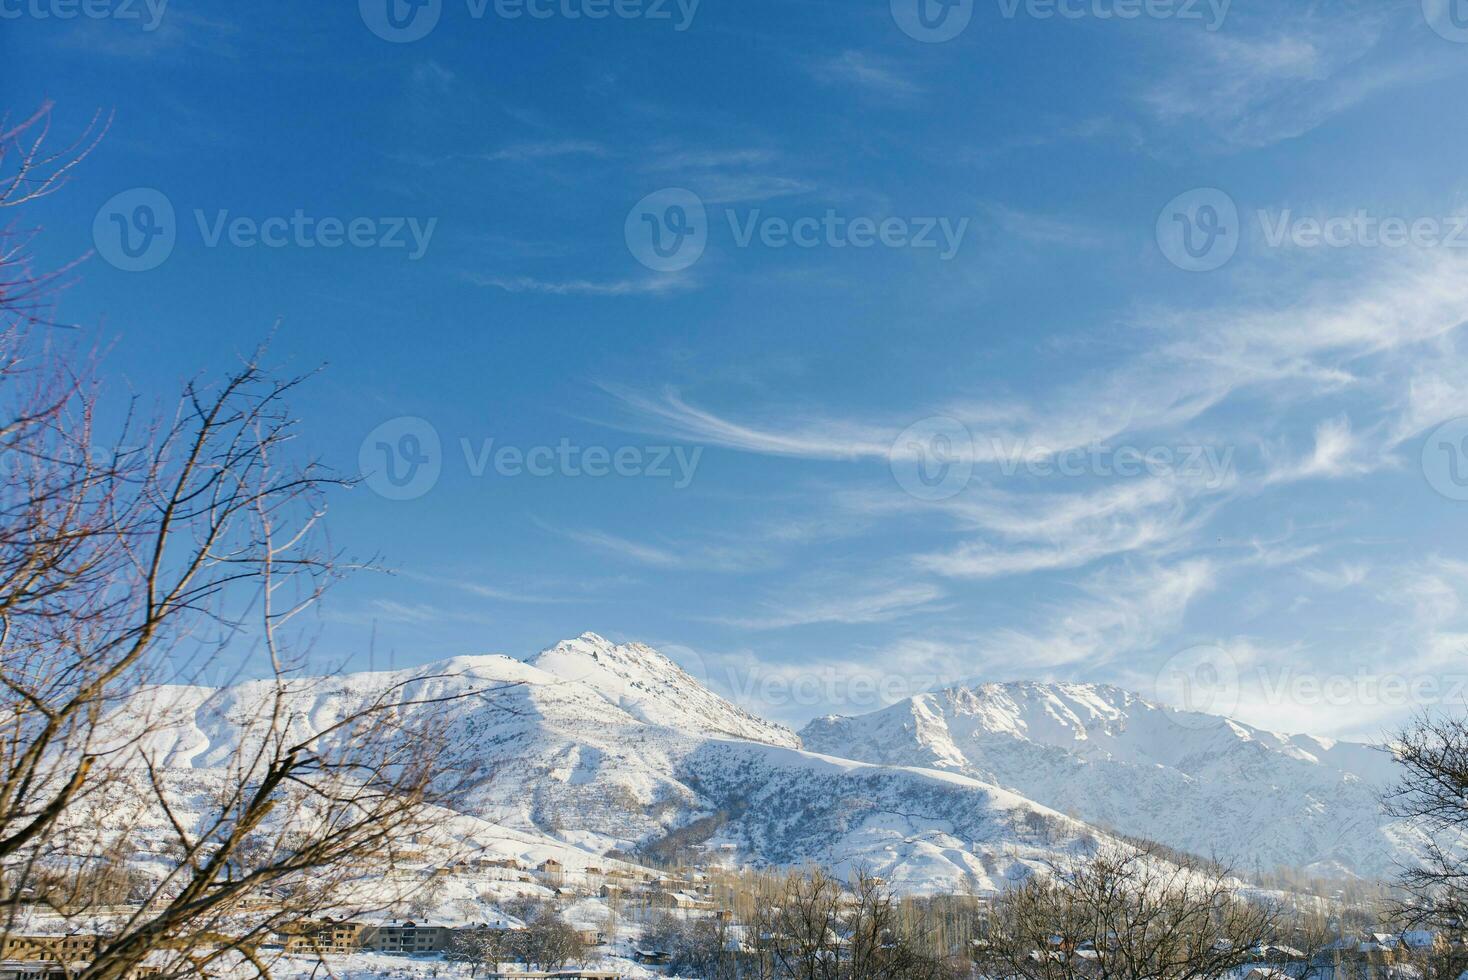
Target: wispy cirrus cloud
{"type": "Point", "coordinates": [1338, 453]}
{"type": "Point", "coordinates": [1346, 575]}
{"type": "Point", "coordinates": [1047, 229]}
{"type": "Point", "coordinates": [699, 555]}
{"type": "Point", "coordinates": [871, 74]}
{"type": "Point", "coordinates": [649, 286]}
{"type": "Point", "coordinates": [728, 175]}
{"type": "Point", "coordinates": [1258, 84]}
{"type": "Point", "coordinates": [546, 150]}
{"type": "Point", "coordinates": [1119, 611]}
{"type": "Point", "coordinates": [846, 605]}
{"type": "Point", "coordinates": [1373, 336]}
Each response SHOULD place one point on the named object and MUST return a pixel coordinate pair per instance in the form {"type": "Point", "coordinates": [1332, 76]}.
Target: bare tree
{"type": "Point", "coordinates": [878, 942]}
{"type": "Point", "coordinates": [149, 558]}
{"type": "Point", "coordinates": [1125, 915]}
{"type": "Point", "coordinates": [481, 947]}
{"type": "Point", "coordinates": [800, 925]}
{"type": "Point", "coordinates": [1432, 794]}
{"type": "Point", "coordinates": [550, 942]}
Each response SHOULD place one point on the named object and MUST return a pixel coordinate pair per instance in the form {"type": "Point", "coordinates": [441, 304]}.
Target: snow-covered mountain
{"type": "Point", "coordinates": [606, 747]}
{"type": "Point", "coordinates": [653, 689]}
{"type": "Point", "coordinates": [1201, 783]}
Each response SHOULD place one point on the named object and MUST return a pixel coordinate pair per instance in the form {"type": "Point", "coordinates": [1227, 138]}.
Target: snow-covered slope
{"type": "Point", "coordinates": [652, 688]}
{"type": "Point", "coordinates": [605, 747]}
{"type": "Point", "coordinates": [602, 747]}
{"type": "Point", "coordinates": [1202, 783]}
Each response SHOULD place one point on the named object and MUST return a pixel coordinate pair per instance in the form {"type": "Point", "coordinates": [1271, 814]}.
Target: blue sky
{"type": "Point", "coordinates": [1097, 341]}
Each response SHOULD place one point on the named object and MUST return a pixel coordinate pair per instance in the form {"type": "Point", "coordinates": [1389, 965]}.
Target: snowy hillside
{"type": "Point", "coordinates": [604, 747]}
{"type": "Point", "coordinates": [1202, 783]}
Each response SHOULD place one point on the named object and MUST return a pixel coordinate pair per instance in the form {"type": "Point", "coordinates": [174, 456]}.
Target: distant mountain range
{"type": "Point", "coordinates": [1208, 785]}
{"type": "Point", "coordinates": [605, 747]}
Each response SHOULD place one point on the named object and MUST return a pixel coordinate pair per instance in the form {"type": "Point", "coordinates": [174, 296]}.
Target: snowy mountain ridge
{"type": "Point", "coordinates": [603, 747]}
{"type": "Point", "coordinates": [1201, 783]}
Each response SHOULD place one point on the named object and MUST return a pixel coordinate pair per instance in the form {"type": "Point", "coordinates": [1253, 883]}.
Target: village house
{"type": "Point", "coordinates": [507, 863]}
{"type": "Point", "coordinates": [60, 949]}
{"type": "Point", "coordinates": [408, 938]}
{"type": "Point", "coordinates": [679, 900]}
{"type": "Point", "coordinates": [552, 870]}
{"type": "Point", "coordinates": [1267, 973]}
{"type": "Point", "coordinates": [33, 970]}
{"type": "Point", "coordinates": [327, 936]}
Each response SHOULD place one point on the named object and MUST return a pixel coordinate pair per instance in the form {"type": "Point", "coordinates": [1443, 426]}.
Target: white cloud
{"type": "Point", "coordinates": [692, 554]}
{"type": "Point", "coordinates": [1338, 453]}
{"type": "Point", "coordinates": [1123, 610]}
{"type": "Point", "coordinates": [1346, 575]}
{"type": "Point", "coordinates": [1254, 87]}
{"type": "Point", "coordinates": [650, 286]}
{"type": "Point", "coordinates": [544, 150]}
{"type": "Point", "coordinates": [873, 75]}
{"type": "Point", "coordinates": [865, 605]}
{"type": "Point", "coordinates": [1044, 229]}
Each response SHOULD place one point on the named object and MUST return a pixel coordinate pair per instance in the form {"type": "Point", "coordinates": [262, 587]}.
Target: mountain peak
{"type": "Point", "coordinates": [655, 689]}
